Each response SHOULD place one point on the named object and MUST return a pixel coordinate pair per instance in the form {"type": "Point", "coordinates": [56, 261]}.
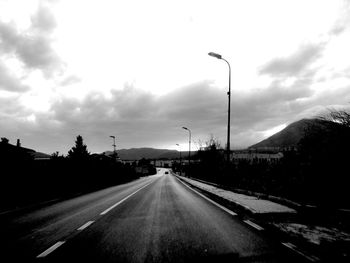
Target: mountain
{"type": "Point", "coordinates": [147, 153]}
{"type": "Point", "coordinates": [292, 134]}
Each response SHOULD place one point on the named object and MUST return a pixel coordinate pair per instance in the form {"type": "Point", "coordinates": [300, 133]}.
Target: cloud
{"type": "Point", "coordinates": [10, 106]}
{"type": "Point", "coordinates": [295, 63]}
{"type": "Point", "coordinates": [43, 20]}
{"type": "Point", "coordinates": [9, 82]}
{"type": "Point", "coordinates": [342, 23]}
{"type": "Point", "coordinates": [32, 46]}
{"type": "Point", "coordinates": [69, 80]}
{"type": "Point", "coordinates": [196, 103]}
{"type": "Point", "coordinates": [139, 118]}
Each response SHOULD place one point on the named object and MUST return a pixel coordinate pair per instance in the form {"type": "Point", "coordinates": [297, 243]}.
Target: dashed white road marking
{"type": "Point", "coordinates": [85, 225]}
{"type": "Point", "coordinates": [211, 201]}
{"type": "Point", "coordinates": [253, 225]}
{"type": "Point", "coordinates": [121, 201]}
{"type": "Point", "coordinates": [295, 249]}
{"type": "Point", "coordinates": [51, 249]}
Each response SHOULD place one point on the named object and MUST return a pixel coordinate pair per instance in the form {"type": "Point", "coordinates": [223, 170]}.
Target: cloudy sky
{"type": "Point", "coordinates": [139, 70]}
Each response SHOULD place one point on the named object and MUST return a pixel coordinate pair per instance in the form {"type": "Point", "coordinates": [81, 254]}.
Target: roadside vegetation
{"type": "Point", "coordinates": [25, 181]}
{"type": "Point", "coordinates": [315, 173]}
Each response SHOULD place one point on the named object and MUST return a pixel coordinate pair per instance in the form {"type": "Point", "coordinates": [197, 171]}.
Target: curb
{"type": "Point", "coordinates": [276, 199]}
{"type": "Point", "coordinates": [245, 213]}
{"type": "Point", "coordinates": [243, 210]}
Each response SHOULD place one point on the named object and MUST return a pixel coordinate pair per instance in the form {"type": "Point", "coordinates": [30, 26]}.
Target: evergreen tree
{"type": "Point", "coordinates": [79, 151]}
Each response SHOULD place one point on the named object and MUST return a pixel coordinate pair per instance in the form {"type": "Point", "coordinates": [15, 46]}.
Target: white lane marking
{"type": "Point", "coordinates": [121, 201]}
{"type": "Point", "coordinates": [211, 201]}
{"type": "Point", "coordinates": [294, 248]}
{"type": "Point", "coordinates": [51, 249]}
{"type": "Point", "coordinates": [253, 225]}
{"type": "Point", "coordinates": [85, 225]}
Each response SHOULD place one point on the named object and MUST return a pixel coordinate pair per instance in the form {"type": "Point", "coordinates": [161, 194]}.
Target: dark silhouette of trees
{"type": "Point", "coordinates": [143, 161]}
{"type": "Point", "coordinates": [315, 172]}
{"type": "Point", "coordinates": [79, 151]}
{"type": "Point", "coordinates": [324, 157]}
{"type": "Point", "coordinates": [209, 164]}
{"type": "Point", "coordinates": [26, 181]}
{"type": "Point", "coordinates": [4, 140]}
{"type": "Point", "coordinates": [211, 158]}
{"type": "Point", "coordinates": [146, 164]}
{"type": "Point", "coordinates": [56, 156]}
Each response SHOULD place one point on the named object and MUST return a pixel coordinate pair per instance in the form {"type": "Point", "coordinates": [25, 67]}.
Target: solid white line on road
{"type": "Point", "coordinates": [295, 249]}
{"type": "Point", "coordinates": [51, 249]}
{"type": "Point", "coordinates": [121, 201]}
{"type": "Point", "coordinates": [253, 225]}
{"type": "Point", "coordinates": [211, 201]}
{"type": "Point", "coordinates": [85, 225]}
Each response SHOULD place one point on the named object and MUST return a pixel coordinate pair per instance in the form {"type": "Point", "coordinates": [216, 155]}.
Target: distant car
{"type": "Point", "coordinates": [166, 172]}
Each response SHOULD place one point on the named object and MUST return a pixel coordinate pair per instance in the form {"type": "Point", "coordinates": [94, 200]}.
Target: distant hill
{"type": "Point", "coordinates": [292, 134]}
{"type": "Point", "coordinates": [147, 153]}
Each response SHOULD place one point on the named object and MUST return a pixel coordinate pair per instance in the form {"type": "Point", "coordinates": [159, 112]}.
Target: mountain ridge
{"type": "Point", "coordinates": [145, 152]}
{"type": "Point", "coordinates": [291, 135]}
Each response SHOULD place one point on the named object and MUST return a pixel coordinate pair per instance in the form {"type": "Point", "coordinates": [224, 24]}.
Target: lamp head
{"type": "Point", "coordinates": [215, 55]}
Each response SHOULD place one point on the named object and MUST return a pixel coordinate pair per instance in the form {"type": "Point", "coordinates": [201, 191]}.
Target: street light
{"type": "Point", "coordinates": [114, 151]}
{"type": "Point", "coordinates": [189, 146]}
{"type": "Point", "coordinates": [218, 56]}
{"type": "Point", "coordinates": [180, 156]}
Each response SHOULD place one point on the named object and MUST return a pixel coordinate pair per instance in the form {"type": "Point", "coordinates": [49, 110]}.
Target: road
{"type": "Point", "coordinates": [153, 219]}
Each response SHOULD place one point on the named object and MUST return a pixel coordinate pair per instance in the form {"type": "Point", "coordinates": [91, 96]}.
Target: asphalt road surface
{"type": "Point", "coordinates": [153, 219]}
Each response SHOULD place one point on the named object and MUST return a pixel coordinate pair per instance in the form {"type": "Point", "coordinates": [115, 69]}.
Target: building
{"type": "Point", "coordinates": [256, 157]}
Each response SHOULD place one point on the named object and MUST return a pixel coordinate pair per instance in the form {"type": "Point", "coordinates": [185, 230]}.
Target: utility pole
{"type": "Point", "coordinates": [114, 147]}
{"type": "Point", "coordinates": [228, 150]}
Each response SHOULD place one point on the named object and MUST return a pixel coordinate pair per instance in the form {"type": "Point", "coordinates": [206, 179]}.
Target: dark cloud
{"type": "Point", "coordinates": [10, 107]}
{"type": "Point", "coordinates": [9, 82]}
{"type": "Point", "coordinates": [295, 63]}
{"type": "Point", "coordinates": [138, 118]}
{"type": "Point", "coordinates": [194, 103]}
{"type": "Point", "coordinates": [262, 109]}
{"type": "Point", "coordinates": [132, 104]}
{"type": "Point", "coordinates": [281, 102]}
{"type": "Point", "coordinates": [32, 46]}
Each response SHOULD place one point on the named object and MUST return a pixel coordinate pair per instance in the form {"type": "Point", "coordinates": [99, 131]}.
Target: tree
{"type": "Point", "coordinates": [144, 161]}
{"type": "Point", "coordinates": [211, 152]}
{"type": "Point", "coordinates": [211, 158]}
{"type": "Point", "coordinates": [324, 156]}
{"type": "Point", "coordinates": [4, 140]}
{"type": "Point", "coordinates": [79, 151]}
{"type": "Point", "coordinates": [56, 156]}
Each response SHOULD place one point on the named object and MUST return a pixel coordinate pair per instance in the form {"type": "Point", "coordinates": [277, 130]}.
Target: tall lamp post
{"type": "Point", "coordinates": [180, 156]}
{"type": "Point", "coordinates": [218, 56]}
{"type": "Point", "coordinates": [114, 151]}
{"type": "Point", "coordinates": [189, 146]}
